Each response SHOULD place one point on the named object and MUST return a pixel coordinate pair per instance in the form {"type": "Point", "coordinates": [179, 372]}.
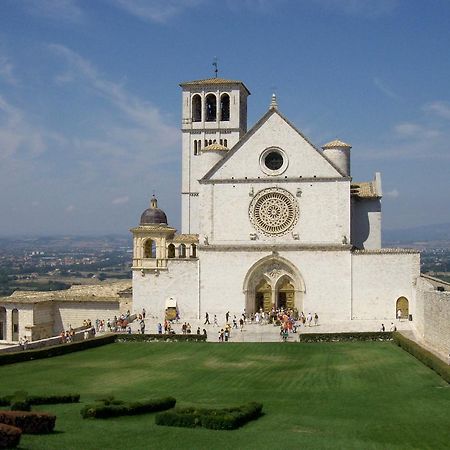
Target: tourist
{"type": "Point", "coordinates": [316, 319]}
{"type": "Point", "coordinates": [142, 326]}
{"type": "Point", "coordinates": [188, 328]}
{"type": "Point", "coordinates": [227, 316]}
{"type": "Point", "coordinates": [241, 324]}
{"type": "Point", "coordinates": [393, 327]}
{"type": "Point", "coordinates": [86, 335]}
{"type": "Point", "coordinates": [198, 331]}
{"type": "Point", "coordinates": [216, 324]}
{"type": "Point", "coordinates": [226, 334]}
{"type": "Point", "coordinates": [206, 319]}
{"type": "Point", "coordinates": [221, 333]}
{"type": "Point", "coordinates": [159, 328]}
{"type": "Point", "coordinates": [204, 333]}
{"type": "Point", "coordinates": [183, 328]}
{"type": "Point", "coordinates": [309, 319]}
{"type": "Point", "coordinates": [234, 322]}
{"type": "Point", "coordinates": [129, 330]}
{"type": "Point", "coordinates": [399, 315]}
{"type": "Point", "coordinates": [383, 329]}
{"type": "Point", "coordinates": [143, 313]}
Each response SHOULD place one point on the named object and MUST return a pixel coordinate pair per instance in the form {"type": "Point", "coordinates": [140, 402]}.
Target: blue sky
{"type": "Point", "coordinates": [90, 102]}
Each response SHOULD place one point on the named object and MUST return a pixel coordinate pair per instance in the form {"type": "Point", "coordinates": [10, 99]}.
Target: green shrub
{"type": "Point", "coordinates": [215, 419]}
{"type": "Point", "coordinates": [56, 350]}
{"type": "Point", "coordinates": [29, 422]}
{"type": "Point", "coordinates": [21, 396]}
{"type": "Point", "coordinates": [104, 411]}
{"type": "Point", "coordinates": [160, 337]}
{"type": "Point", "coordinates": [423, 355]}
{"type": "Point", "coordinates": [20, 405]}
{"type": "Point", "coordinates": [9, 436]}
{"type": "Point", "coordinates": [345, 337]}
{"type": "Point", "coordinates": [53, 399]}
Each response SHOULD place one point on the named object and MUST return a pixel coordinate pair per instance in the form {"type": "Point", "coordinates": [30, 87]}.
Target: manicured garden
{"type": "Point", "coordinates": [354, 395]}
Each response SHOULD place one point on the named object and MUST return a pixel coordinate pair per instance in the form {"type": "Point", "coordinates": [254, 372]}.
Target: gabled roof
{"type": "Point", "coordinates": [252, 131]}
{"type": "Point", "coordinates": [209, 81]}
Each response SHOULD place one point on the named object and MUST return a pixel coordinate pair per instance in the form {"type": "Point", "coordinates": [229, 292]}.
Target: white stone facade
{"type": "Point", "coordinates": [274, 222]}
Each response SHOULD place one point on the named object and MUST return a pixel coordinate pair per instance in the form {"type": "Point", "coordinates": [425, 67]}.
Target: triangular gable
{"type": "Point", "coordinates": [273, 129]}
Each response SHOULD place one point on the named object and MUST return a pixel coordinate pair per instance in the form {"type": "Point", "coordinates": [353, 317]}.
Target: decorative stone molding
{"type": "Point", "coordinates": [274, 211]}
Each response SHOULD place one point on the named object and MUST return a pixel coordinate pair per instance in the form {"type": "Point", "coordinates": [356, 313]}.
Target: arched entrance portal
{"type": "Point", "coordinates": [2, 323]}
{"type": "Point", "coordinates": [402, 305]}
{"type": "Point", "coordinates": [273, 282]}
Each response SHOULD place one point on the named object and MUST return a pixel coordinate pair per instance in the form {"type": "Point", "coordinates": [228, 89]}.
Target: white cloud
{"type": "Point", "coordinates": [159, 11]}
{"type": "Point", "coordinates": [365, 8]}
{"type": "Point", "coordinates": [415, 130]}
{"type": "Point", "coordinates": [70, 209]}
{"type": "Point", "coordinates": [121, 200]}
{"type": "Point", "coordinates": [381, 86]}
{"type": "Point", "coordinates": [439, 108]}
{"type": "Point", "coordinates": [6, 71]}
{"type": "Point", "coordinates": [392, 194]}
{"type": "Point", "coordinates": [66, 10]}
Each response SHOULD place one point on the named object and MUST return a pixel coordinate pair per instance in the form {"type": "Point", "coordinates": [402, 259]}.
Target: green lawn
{"type": "Point", "coordinates": [349, 396]}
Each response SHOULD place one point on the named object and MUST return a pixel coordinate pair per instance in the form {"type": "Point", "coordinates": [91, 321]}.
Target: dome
{"type": "Point", "coordinates": [153, 215]}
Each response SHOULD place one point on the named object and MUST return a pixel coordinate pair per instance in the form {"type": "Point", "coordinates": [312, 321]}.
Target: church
{"type": "Point", "coordinates": [269, 220]}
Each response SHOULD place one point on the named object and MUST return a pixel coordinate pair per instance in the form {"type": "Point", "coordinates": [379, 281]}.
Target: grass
{"type": "Point", "coordinates": [351, 396]}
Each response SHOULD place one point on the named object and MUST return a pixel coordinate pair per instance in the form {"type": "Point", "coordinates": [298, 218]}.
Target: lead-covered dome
{"type": "Point", "coordinates": [153, 215]}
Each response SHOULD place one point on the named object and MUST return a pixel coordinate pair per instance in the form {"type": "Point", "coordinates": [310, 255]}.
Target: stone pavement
{"type": "Point", "coordinates": [269, 333]}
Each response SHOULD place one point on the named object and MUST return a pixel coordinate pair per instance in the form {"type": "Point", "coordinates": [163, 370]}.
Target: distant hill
{"type": "Point", "coordinates": [424, 233]}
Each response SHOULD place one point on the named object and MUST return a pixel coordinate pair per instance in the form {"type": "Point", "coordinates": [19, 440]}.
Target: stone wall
{"type": "Point", "coordinates": [433, 322]}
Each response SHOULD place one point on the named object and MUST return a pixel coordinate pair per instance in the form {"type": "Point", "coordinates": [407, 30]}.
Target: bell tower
{"type": "Point", "coordinates": [214, 118]}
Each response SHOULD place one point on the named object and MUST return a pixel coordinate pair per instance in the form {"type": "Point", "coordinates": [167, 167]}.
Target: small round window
{"type": "Point", "coordinates": [273, 161]}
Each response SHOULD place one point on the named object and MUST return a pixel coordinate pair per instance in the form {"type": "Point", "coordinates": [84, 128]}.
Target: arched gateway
{"type": "Point", "coordinates": [273, 281]}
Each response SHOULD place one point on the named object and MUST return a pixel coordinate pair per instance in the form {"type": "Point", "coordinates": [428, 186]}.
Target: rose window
{"type": "Point", "coordinates": [274, 211]}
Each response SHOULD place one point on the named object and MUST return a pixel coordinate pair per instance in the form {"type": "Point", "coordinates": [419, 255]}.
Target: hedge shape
{"type": "Point", "coordinates": [104, 411]}
{"type": "Point", "coordinates": [19, 396]}
{"type": "Point", "coordinates": [160, 337]}
{"type": "Point", "coordinates": [29, 422]}
{"type": "Point", "coordinates": [9, 436]}
{"type": "Point", "coordinates": [214, 419]}
{"type": "Point", "coordinates": [56, 350]}
{"type": "Point", "coordinates": [424, 356]}
{"type": "Point", "coordinates": [346, 337]}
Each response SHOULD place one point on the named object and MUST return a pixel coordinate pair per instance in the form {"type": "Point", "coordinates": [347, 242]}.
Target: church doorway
{"type": "Point", "coordinates": [285, 294]}
{"type": "Point", "coordinates": [273, 282]}
{"type": "Point", "coordinates": [263, 296]}
{"type": "Point", "coordinates": [402, 305]}
{"type": "Point", "coordinates": [2, 323]}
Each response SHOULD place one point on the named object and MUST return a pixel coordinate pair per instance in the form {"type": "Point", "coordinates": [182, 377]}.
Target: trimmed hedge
{"type": "Point", "coordinates": [53, 399]}
{"type": "Point", "coordinates": [423, 355]}
{"type": "Point", "coordinates": [29, 422]}
{"type": "Point", "coordinates": [214, 419]}
{"type": "Point", "coordinates": [56, 350]}
{"type": "Point", "coordinates": [160, 337]}
{"type": "Point", "coordinates": [346, 337]}
{"type": "Point", "coordinates": [113, 409]}
{"type": "Point", "coordinates": [20, 396]}
{"type": "Point", "coordinates": [9, 436]}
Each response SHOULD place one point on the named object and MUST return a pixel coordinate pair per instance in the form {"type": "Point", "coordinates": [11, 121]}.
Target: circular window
{"type": "Point", "coordinates": [273, 161]}
{"type": "Point", "coordinates": [274, 211]}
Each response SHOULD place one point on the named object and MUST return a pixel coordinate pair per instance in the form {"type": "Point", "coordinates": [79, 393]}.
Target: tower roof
{"type": "Point", "coordinates": [153, 215]}
{"type": "Point", "coordinates": [209, 81]}
{"type": "Point", "coordinates": [336, 144]}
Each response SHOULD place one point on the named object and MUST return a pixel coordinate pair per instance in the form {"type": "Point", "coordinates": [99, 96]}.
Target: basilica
{"type": "Point", "coordinates": [269, 220]}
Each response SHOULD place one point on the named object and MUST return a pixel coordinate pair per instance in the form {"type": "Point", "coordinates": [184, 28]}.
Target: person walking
{"type": "Point", "coordinates": [227, 316]}
{"type": "Point", "coordinates": [309, 319]}
{"type": "Point", "coordinates": [316, 319]}
{"type": "Point", "coordinates": [206, 319]}
{"type": "Point", "coordinates": [216, 324]}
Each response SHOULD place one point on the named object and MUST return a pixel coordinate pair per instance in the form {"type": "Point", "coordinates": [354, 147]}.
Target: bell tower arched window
{"type": "Point", "coordinates": [171, 251]}
{"type": "Point", "coordinates": [211, 108]}
{"type": "Point", "coordinates": [196, 108]}
{"type": "Point", "coordinates": [225, 107]}
{"type": "Point", "coordinates": [150, 249]}
{"type": "Point", "coordinates": [182, 251]}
